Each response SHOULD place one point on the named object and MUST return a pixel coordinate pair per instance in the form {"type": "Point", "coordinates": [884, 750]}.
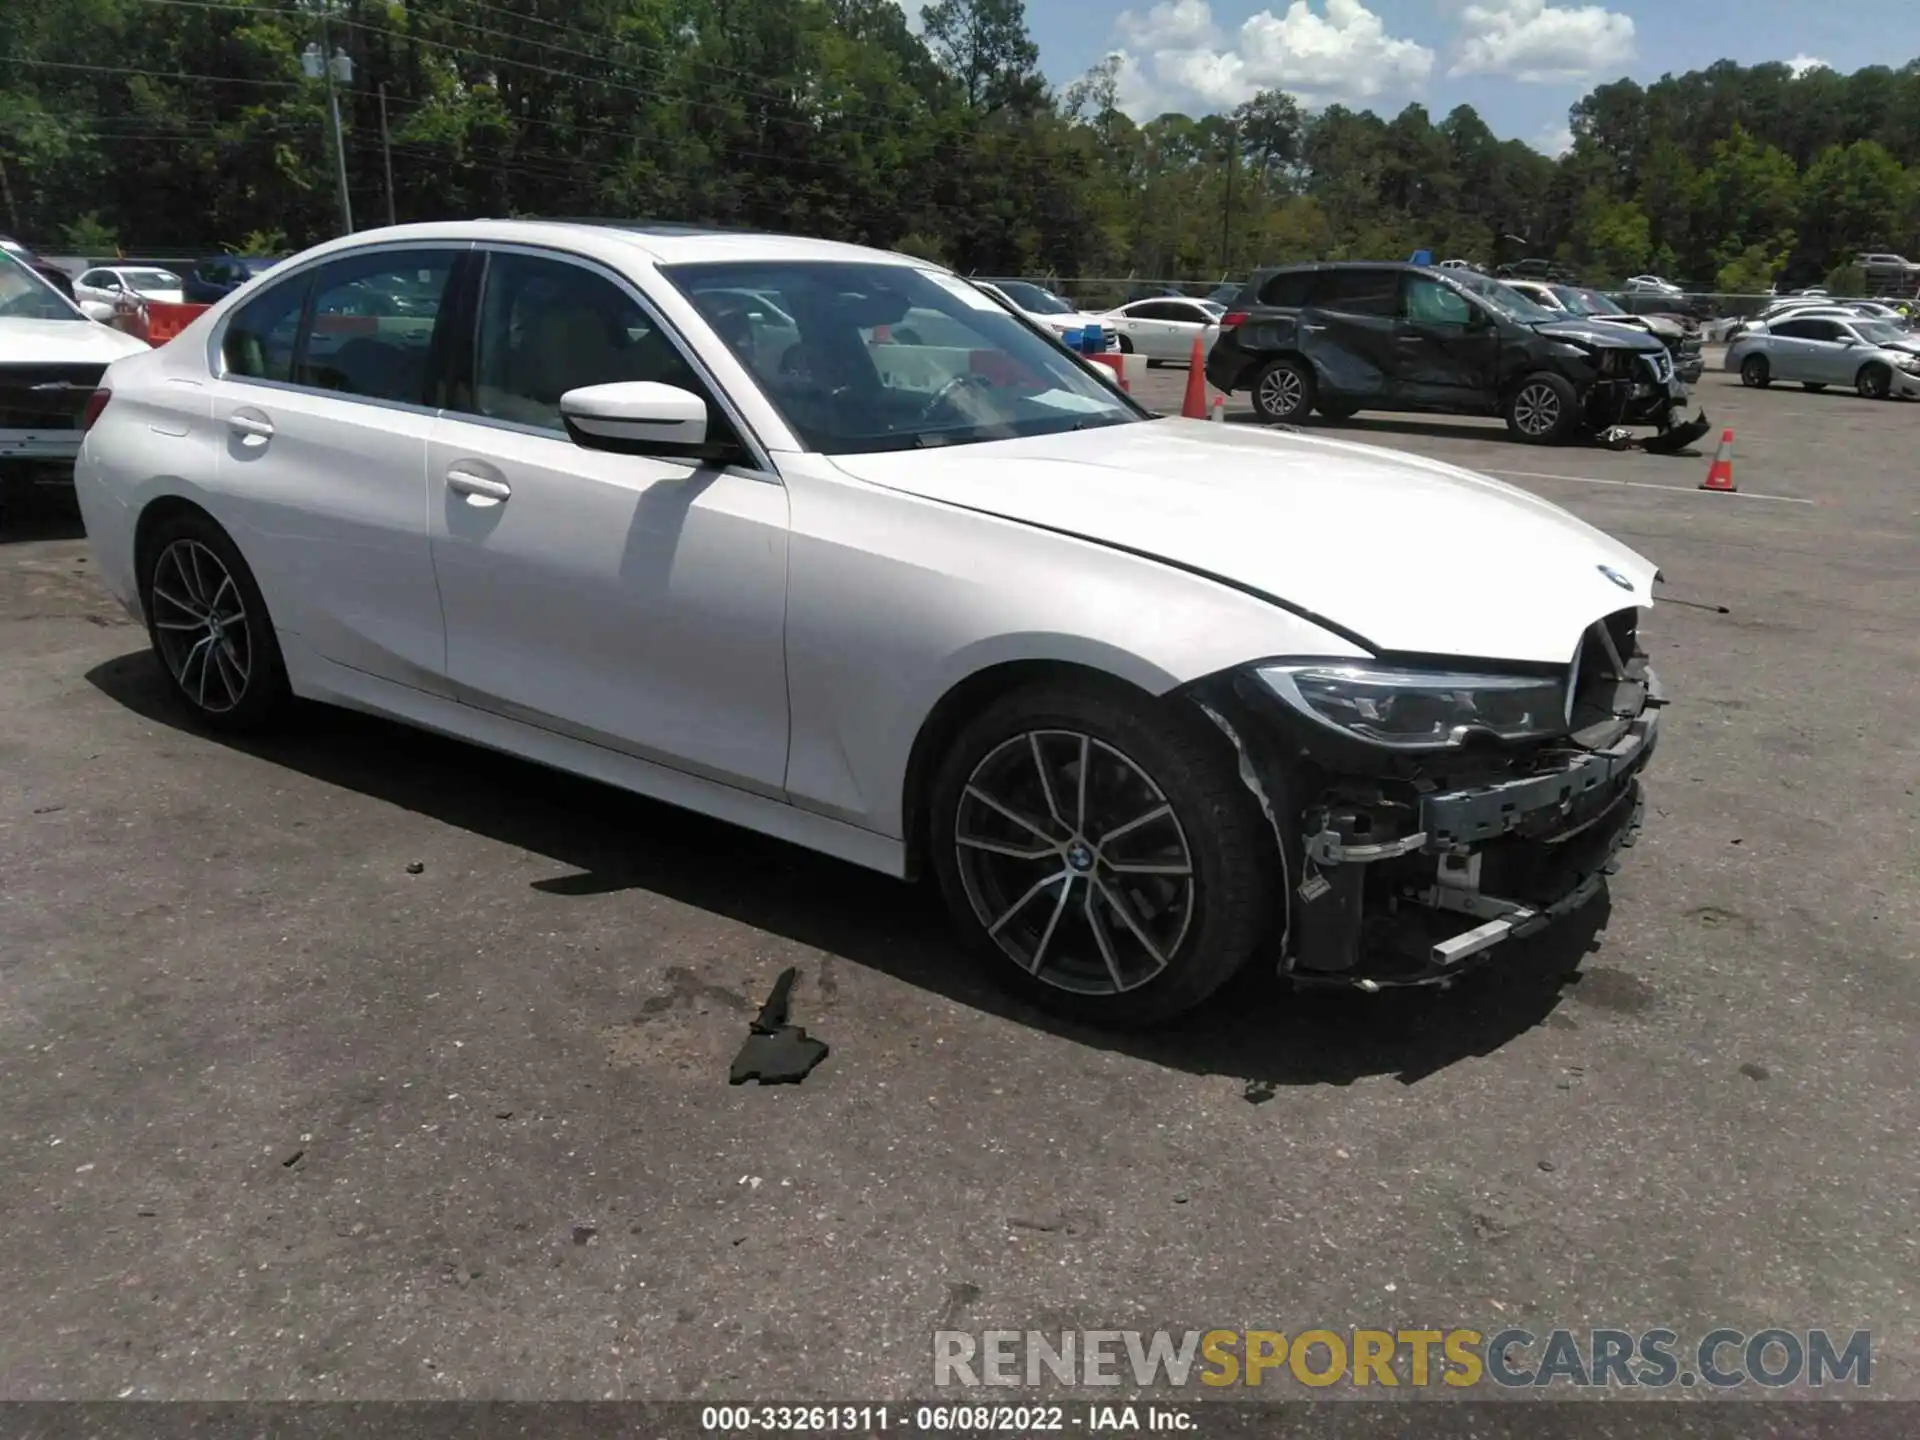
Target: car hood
{"type": "Point", "coordinates": [63, 342]}
{"type": "Point", "coordinates": [1409, 554]}
{"type": "Point", "coordinates": [1596, 332]}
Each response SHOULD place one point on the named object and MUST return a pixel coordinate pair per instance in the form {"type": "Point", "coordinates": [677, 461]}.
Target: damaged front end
{"type": "Point", "coordinates": [1414, 840]}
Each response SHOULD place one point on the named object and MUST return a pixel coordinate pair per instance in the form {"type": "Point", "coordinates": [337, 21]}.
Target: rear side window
{"type": "Point", "coordinates": [261, 336]}
{"type": "Point", "coordinates": [1358, 292]}
{"type": "Point", "coordinates": [1288, 290]}
{"type": "Point", "coordinates": [372, 325]}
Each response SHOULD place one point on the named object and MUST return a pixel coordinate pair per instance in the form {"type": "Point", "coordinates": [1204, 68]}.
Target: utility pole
{"type": "Point", "coordinates": [1226, 215]}
{"type": "Point", "coordinates": [386, 152]}
{"type": "Point", "coordinates": [323, 60]}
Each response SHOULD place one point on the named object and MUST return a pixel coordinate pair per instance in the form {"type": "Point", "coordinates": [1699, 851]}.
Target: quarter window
{"type": "Point", "coordinates": [548, 326]}
{"type": "Point", "coordinates": [1287, 290]}
{"type": "Point", "coordinates": [261, 337]}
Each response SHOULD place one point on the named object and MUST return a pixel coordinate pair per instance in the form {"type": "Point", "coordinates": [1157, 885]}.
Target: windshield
{"type": "Point", "coordinates": [151, 279]}
{"type": "Point", "coordinates": [861, 357]}
{"type": "Point", "coordinates": [1879, 332]}
{"type": "Point", "coordinates": [1032, 299]}
{"type": "Point", "coordinates": [1586, 302]}
{"type": "Point", "coordinates": [25, 296]}
{"type": "Point", "coordinates": [1508, 302]}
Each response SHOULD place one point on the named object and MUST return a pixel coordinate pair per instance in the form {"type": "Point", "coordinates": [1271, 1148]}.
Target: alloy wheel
{"type": "Point", "coordinates": [1074, 862]}
{"type": "Point", "coordinates": [1281, 392]}
{"type": "Point", "coordinates": [1536, 410]}
{"type": "Point", "coordinates": [201, 621]}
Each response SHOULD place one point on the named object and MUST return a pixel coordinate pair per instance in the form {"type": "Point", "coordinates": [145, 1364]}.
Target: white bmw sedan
{"type": "Point", "coordinates": [827, 543]}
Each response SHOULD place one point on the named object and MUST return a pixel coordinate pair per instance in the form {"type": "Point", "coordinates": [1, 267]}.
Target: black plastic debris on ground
{"type": "Point", "coordinates": [777, 1053]}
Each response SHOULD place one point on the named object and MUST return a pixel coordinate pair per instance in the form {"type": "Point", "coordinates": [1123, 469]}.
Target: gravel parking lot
{"type": "Point", "coordinates": [285, 1118]}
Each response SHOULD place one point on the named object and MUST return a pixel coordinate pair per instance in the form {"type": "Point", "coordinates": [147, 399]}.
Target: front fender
{"type": "Point", "coordinates": [895, 600]}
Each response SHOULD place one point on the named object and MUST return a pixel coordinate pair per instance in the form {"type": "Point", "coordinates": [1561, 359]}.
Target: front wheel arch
{"type": "Point", "coordinates": [953, 711]}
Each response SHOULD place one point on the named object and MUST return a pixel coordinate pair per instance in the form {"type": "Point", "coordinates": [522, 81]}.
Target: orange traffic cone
{"type": "Point", "coordinates": [1720, 472]}
{"type": "Point", "coordinates": [1194, 407]}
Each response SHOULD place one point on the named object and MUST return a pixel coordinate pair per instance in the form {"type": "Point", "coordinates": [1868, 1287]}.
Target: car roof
{"type": "Point", "coordinates": [662, 242]}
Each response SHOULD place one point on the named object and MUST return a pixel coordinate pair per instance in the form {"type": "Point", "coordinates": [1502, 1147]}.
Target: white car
{"type": "Point", "coordinates": [934, 600]}
{"type": "Point", "coordinates": [1654, 284]}
{"type": "Point", "coordinates": [115, 284]}
{"type": "Point", "coordinates": [1164, 328]}
{"type": "Point", "coordinates": [51, 360]}
{"type": "Point", "coordinates": [1876, 359]}
{"type": "Point", "coordinates": [1044, 307]}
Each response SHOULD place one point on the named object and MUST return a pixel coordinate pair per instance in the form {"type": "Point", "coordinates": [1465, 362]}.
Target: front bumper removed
{"type": "Point", "coordinates": [1408, 885]}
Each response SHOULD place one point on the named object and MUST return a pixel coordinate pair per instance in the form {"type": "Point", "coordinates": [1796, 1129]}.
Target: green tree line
{"type": "Point", "coordinates": [178, 125]}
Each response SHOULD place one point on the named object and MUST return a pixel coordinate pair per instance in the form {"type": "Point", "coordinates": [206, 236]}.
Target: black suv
{"type": "Point", "coordinates": [1341, 338]}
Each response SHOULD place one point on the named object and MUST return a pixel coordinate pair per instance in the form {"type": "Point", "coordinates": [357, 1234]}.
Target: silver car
{"type": "Point", "coordinates": [1875, 358]}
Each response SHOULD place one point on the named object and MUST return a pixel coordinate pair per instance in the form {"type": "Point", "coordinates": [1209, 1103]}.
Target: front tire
{"type": "Point", "coordinates": [1543, 409]}
{"type": "Point", "coordinates": [1874, 382]}
{"type": "Point", "coordinates": [1283, 391]}
{"type": "Point", "coordinates": [209, 627]}
{"type": "Point", "coordinates": [1097, 847]}
{"type": "Point", "coordinates": [1337, 410]}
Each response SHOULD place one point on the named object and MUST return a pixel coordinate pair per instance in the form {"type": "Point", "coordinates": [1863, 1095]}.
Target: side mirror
{"type": "Point", "coordinates": [97, 310]}
{"type": "Point", "coordinates": [635, 417]}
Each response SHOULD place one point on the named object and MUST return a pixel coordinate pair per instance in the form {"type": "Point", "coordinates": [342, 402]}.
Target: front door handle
{"type": "Point", "coordinates": [1313, 327]}
{"type": "Point", "coordinates": [476, 486]}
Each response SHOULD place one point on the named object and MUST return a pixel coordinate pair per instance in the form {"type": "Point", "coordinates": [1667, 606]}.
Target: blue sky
{"type": "Point", "coordinates": [1520, 63]}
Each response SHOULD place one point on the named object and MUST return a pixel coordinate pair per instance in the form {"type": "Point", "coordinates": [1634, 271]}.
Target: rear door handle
{"type": "Point", "coordinates": [1313, 327]}
{"type": "Point", "coordinates": [477, 486]}
{"type": "Point", "coordinates": [251, 426]}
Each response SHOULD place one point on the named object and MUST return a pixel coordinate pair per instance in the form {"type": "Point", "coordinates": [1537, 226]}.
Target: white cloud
{"type": "Point", "coordinates": [1801, 64]}
{"type": "Point", "coordinates": [1536, 42]}
{"type": "Point", "coordinates": [1175, 56]}
{"type": "Point", "coordinates": [1554, 141]}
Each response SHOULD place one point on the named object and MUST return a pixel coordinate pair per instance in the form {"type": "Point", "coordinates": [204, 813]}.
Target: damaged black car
{"type": "Point", "coordinates": [1341, 338]}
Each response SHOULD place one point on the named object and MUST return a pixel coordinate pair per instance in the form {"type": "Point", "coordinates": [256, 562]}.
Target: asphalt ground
{"type": "Point", "coordinates": [280, 1117]}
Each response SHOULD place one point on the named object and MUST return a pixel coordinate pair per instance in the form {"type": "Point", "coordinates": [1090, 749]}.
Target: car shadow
{"type": "Point", "coordinates": [1258, 1030]}
{"type": "Point", "coordinates": [1362, 427]}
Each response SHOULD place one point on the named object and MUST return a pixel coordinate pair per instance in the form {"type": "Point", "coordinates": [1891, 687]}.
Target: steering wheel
{"type": "Point", "coordinates": [953, 387]}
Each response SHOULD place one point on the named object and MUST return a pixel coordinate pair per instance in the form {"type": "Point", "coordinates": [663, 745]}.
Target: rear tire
{"type": "Point", "coordinates": [1874, 382]}
{"type": "Point", "coordinates": [1543, 409]}
{"type": "Point", "coordinates": [1040, 897]}
{"type": "Point", "coordinates": [1337, 410]}
{"type": "Point", "coordinates": [1755, 372]}
{"type": "Point", "coordinates": [1283, 391]}
{"type": "Point", "coordinates": [209, 627]}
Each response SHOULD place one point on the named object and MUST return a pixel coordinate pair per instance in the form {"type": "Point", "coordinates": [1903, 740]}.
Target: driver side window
{"type": "Point", "coordinates": [1428, 302]}
{"type": "Point", "coordinates": [548, 326]}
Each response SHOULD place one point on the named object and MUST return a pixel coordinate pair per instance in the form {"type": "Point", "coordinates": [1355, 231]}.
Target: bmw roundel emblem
{"type": "Point", "coordinates": [1615, 576]}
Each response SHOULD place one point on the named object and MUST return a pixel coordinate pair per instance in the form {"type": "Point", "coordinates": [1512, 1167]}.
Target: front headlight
{"type": "Point", "coordinates": [1908, 362]}
{"type": "Point", "coordinates": [1421, 709]}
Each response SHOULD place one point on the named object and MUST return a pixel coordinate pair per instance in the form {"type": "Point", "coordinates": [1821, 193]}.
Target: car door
{"type": "Point", "coordinates": [631, 601]}
{"type": "Point", "coordinates": [1834, 352]}
{"type": "Point", "coordinates": [99, 285]}
{"type": "Point", "coordinates": [1445, 346]}
{"type": "Point", "coordinates": [1187, 322]}
{"type": "Point", "coordinates": [1347, 329]}
{"type": "Point", "coordinates": [322, 417]}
